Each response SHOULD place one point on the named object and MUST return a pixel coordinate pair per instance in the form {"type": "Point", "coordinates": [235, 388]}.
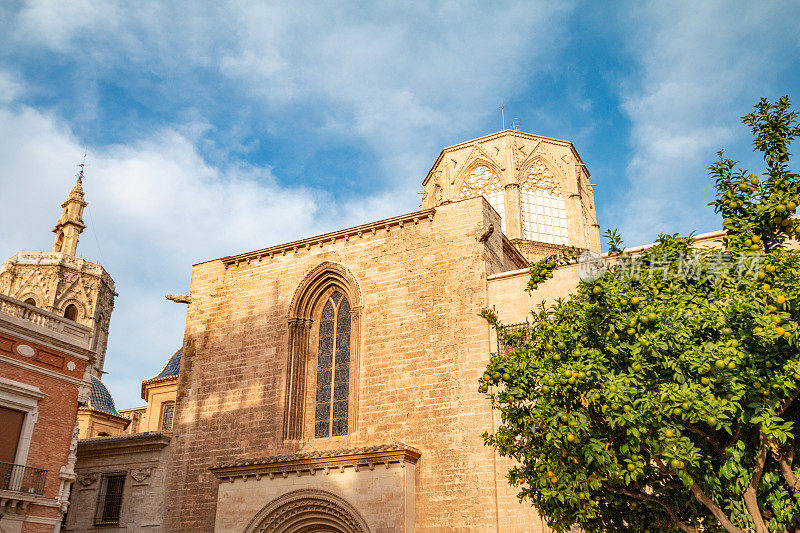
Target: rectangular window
{"type": "Point", "coordinates": [544, 217]}
{"type": "Point", "coordinates": [109, 499]}
{"type": "Point", "coordinates": [168, 410]}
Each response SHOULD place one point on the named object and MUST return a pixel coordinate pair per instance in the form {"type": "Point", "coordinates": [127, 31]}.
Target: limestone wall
{"type": "Point", "coordinates": [423, 348]}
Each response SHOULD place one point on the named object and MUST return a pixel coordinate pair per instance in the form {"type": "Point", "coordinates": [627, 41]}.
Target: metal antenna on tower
{"type": "Point", "coordinates": [502, 115]}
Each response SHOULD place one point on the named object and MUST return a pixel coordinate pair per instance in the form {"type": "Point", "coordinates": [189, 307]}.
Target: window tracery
{"type": "Point", "coordinates": [333, 368]}
{"type": "Point", "coordinates": [544, 209]}
{"type": "Point", "coordinates": [323, 355]}
{"type": "Point", "coordinates": [481, 180]}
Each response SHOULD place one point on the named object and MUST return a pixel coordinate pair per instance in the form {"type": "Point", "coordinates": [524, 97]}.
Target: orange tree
{"type": "Point", "coordinates": [662, 396]}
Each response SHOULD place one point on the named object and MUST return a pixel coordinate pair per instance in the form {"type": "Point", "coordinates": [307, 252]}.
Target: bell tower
{"type": "Point", "coordinates": [61, 283]}
{"type": "Point", "coordinates": [539, 187]}
{"type": "Point", "coordinates": [70, 225]}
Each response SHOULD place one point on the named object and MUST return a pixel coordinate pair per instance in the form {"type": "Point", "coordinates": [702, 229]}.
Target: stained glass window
{"type": "Point", "coordinates": [544, 210]}
{"type": "Point", "coordinates": [485, 182]}
{"type": "Point", "coordinates": [333, 368]}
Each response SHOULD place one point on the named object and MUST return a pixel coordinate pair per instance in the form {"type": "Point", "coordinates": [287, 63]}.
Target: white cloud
{"type": "Point", "coordinates": [155, 207]}
{"type": "Point", "coordinates": [11, 87]}
{"type": "Point", "coordinates": [399, 80]}
{"type": "Point", "coordinates": [701, 66]}
{"type": "Point", "coordinates": [393, 76]}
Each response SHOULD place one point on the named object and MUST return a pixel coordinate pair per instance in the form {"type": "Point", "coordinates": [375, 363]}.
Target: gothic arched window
{"type": "Point", "coordinates": [481, 180]}
{"type": "Point", "coordinates": [544, 210]}
{"type": "Point", "coordinates": [323, 355]}
{"type": "Point", "coordinates": [333, 368]}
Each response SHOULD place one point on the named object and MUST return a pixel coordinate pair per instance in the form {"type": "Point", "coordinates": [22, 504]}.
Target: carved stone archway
{"type": "Point", "coordinates": [308, 511]}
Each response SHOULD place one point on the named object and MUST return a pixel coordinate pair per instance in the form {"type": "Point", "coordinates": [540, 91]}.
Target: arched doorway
{"type": "Point", "coordinates": [308, 511]}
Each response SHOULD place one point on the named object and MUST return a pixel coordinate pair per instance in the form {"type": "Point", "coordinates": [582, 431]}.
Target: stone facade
{"type": "Point", "coordinates": [55, 280]}
{"type": "Point", "coordinates": [416, 284]}
{"type": "Point", "coordinates": [139, 458]}
{"type": "Point", "coordinates": [333, 380]}
{"type": "Point", "coordinates": [380, 480]}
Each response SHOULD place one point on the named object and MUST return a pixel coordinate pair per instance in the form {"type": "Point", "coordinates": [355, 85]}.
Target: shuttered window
{"type": "Point", "coordinates": [11, 422]}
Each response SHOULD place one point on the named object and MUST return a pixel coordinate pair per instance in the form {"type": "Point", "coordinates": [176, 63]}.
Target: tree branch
{"type": "Point", "coordinates": [714, 508]}
{"type": "Point", "coordinates": [704, 499]}
{"type": "Point", "coordinates": [787, 402]}
{"type": "Point", "coordinates": [785, 461]}
{"type": "Point", "coordinates": [667, 507]}
{"type": "Point", "coordinates": [711, 440]}
{"type": "Point", "coordinates": [750, 493]}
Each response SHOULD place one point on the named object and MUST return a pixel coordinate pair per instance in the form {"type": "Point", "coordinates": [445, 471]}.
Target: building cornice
{"type": "Point", "coordinates": [41, 370]}
{"type": "Point", "coordinates": [154, 383]}
{"type": "Point", "coordinates": [61, 259]}
{"type": "Point", "coordinates": [21, 500]}
{"type": "Point", "coordinates": [106, 414]}
{"type": "Point", "coordinates": [122, 444]}
{"type": "Point", "coordinates": [320, 240]}
{"type": "Point", "coordinates": [310, 463]}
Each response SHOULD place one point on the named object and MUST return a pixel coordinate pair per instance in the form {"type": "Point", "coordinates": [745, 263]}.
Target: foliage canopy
{"type": "Point", "coordinates": [662, 396]}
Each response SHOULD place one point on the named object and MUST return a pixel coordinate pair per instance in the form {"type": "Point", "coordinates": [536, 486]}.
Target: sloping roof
{"type": "Point", "coordinates": [133, 436]}
{"type": "Point", "coordinates": [170, 370]}
{"type": "Point", "coordinates": [100, 399]}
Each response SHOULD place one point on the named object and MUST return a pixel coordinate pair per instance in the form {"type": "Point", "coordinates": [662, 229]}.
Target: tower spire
{"type": "Point", "coordinates": [70, 225]}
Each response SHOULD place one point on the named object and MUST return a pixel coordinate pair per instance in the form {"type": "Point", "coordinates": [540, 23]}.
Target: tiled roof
{"type": "Point", "coordinates": [170, 370]}
{"type": "Point", "coordinates": [100, 399]}
{"type": "Point", "coordinates": [134, 436]}
{"type": "Point", "coordinates": [325, 454]}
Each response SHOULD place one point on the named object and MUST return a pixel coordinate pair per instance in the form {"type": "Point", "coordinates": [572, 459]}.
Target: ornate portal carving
{"type": "Point", "coordinates": [326, 511]}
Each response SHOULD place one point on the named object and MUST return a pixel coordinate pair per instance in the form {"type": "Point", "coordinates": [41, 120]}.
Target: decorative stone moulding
{"type": "Point", "coordinates": [310, 464]}
{"type": "Point", "coordinates": [62, 259]}
{"type": "Point", "coordinates": [330, 238]}
{"type": "Point", "coordinates": [25, 350]}
{"type": "Point", "coordinates": [139, 475]}
{"type": "Point", "coordinates": [88, 479]}
{"type": "Point", "coordinates": [298, 510]}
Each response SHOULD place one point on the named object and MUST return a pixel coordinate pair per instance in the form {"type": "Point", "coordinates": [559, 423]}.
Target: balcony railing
{"type": "Point", "coordinates": [25, 479]}
{"type": "Point", "coordinates": [45, 319]}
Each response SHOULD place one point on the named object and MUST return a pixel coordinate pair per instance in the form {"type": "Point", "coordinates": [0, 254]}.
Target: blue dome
{"type": "Point", "coordinates": [171, 369]}
{"type": "Point", "coordinates": [101, 399]}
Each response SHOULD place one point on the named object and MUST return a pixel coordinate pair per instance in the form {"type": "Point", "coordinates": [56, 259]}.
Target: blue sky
{"type": "Point", "coordinates": [219, 127]}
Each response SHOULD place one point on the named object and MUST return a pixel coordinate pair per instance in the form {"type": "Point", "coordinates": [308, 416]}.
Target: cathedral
{"type": "Point", "coordinates": [331, 383]}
